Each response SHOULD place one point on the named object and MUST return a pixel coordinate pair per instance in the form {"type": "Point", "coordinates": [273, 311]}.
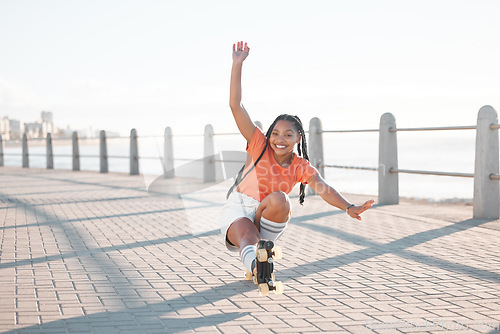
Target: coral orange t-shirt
{"type": "Point", "coordinates": [268, 176]}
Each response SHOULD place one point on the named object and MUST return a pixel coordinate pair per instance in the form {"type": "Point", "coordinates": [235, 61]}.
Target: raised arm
{"type": "Point", "coordinates": [243, 121]}
{"type": "Point", "coordinates": [332, 197]}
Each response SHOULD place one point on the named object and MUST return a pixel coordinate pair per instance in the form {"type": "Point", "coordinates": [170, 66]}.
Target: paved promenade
{"type": "Point", "coordinates": [83, 252]}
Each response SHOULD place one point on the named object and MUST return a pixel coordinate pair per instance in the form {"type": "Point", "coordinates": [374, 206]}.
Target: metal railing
{"type": "Point", "coordinates": [486, 174]}
{"type": "Point", "coordinates": [425, 172]}
{"type": "Point", "coordinates": [471, 127]}
{"type": "Point", "coordinates": [167, 159]}
{"type": "Point", "coordinates": [395, 170]}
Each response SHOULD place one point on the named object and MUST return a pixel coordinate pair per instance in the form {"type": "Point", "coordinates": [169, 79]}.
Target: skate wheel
{"type": "Point", "coordinates": [248, 276]}
{"type": "Point", "coordinates": [255, 280]}
{"type": "Point", "coordinates": [278, 253]}
{"type": "Point", "coordinates": [262, 255]}
{"type": "Point", "coordinates": [269, 245]}
{"type": "Point", "coordinates": [279, 288]}
{"type": "Point", "coordinates": [263, 289]}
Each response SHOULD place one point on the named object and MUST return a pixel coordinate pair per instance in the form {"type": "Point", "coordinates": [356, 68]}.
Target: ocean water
{"type": "Point", "coordinates": [445, 151]}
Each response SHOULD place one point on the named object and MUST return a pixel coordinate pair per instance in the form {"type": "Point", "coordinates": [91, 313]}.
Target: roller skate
{"type": "Point", "coordinates": [263, 275]}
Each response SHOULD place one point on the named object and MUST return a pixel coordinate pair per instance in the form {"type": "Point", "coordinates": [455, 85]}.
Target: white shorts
{"type": "Point", "coordinates": [238, 205]}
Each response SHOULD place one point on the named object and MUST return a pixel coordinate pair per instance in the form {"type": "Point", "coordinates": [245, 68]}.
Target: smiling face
{"type": "Point", "coordinates": [283, 138]}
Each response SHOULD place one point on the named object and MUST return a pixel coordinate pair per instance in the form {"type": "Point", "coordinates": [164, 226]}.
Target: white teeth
{"type": "Point", "coordinates": [280, 146]}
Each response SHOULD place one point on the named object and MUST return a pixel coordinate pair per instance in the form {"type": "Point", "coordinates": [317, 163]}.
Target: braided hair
{"type": "Point", "coordinates": [302, 150]}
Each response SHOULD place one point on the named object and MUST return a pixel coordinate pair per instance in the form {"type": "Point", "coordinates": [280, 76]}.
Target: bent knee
{"type": "Point", "coordinates": [243, 232]}
{"type": "Point", "coordinates": [277, 207]}
{"type": "Point", "coordinates": [279, 199]}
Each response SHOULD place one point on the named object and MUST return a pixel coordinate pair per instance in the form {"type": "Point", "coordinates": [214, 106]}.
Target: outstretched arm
{"type": "Point", "coordinates": [332, 197]}
{"type": "Point", "coordinates": [243, 121]}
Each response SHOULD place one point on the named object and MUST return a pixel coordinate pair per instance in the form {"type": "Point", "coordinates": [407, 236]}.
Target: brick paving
{"type": "Point", "coordinates": [83, 252]}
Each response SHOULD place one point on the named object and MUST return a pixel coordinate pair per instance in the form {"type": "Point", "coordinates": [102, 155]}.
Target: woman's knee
{"type": "Point", "coordinates": [280, 200]}
{"type": "Point", "coordinates": [276, 206]}
{"type": "Point", "coordinates": [243, 231]}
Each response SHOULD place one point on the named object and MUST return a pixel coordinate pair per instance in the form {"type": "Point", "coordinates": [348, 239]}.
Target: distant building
{"type": "Point", "coordinates": [47, 116]}
{"type": "Point", "coordinates": [5, 128]}
{"type": "Point", "coordinates": [47, 123]}
{"type": "Point", "coordinates": [12, 129]}
{"type": "Point", "coordinates": [40, 129]}
{"type": "Point", "coordinates": [16, 131]}
{"type": "Point", "coordinates": [33, 130]}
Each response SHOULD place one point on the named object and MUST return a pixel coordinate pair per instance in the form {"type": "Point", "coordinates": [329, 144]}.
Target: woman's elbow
{"type": "Point", "coordinates": [234, 106]}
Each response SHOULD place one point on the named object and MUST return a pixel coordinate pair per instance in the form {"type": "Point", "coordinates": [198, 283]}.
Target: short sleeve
{"type": "Point", "coordinates": [305, 171]}
{"type": "Point", "coordinates": [257, 143]}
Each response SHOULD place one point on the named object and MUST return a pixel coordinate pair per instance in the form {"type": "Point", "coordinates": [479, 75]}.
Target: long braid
{"type": "Point", "coordinates": [302, 149]}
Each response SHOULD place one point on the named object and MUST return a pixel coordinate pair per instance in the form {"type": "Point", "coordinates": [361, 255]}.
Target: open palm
{"type": "Point", "coordinates": [355, 211]}
{"type": "Point", "coordinates": [240, 51]}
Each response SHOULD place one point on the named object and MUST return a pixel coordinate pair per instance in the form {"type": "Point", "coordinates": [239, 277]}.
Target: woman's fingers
{"type": "Point", "coordinates": [368, 204]}
{"type": "Point", "coordinates": [363, 208]}
{"type": "Point", "coordinates": [241, 46]}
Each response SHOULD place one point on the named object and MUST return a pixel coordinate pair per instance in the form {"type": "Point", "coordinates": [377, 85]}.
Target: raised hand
{"type": "Point", "coordinates": [240, 52]}
{"type": "Point", "coordinates": [355, 211]}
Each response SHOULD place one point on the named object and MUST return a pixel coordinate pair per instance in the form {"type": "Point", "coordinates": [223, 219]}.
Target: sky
{"type": "Point", "coordinates": [148, 64]}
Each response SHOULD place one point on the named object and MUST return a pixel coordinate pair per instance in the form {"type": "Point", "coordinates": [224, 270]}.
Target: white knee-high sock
{"type": "Point", "coordinates": [270, 230]}
{"type": "Point", "coordinates": [248, 256]}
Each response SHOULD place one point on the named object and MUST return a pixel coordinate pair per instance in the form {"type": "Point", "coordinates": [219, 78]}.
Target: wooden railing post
{"type": "Point", "coordinates": [103, 152]}
{"type": "Point", "coordinates": [76, 152]}
{"type": "Point", "coordinates": [1, 151]}
{"type": "Point", "coordinates": [208, 155]}
{"type": "Point", "coordinates": [388, 183]}
{"type": "Point", "coordinates": [26, 157]}
{"type": "Point", "coordinates": [134, 153]}
{"type": "Point", "coordinates": [50, 153]}
{"type": "Point", "coordinates": [486, 191]}
{"type": "Point", "coordinates": [168, 154]}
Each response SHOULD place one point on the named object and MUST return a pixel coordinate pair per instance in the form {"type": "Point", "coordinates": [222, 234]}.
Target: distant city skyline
{"type": "Point", "coordinates": [13, 129]}
{"type": "Point", "coordinates": [119, 65]}
{"type": "Point", "coordinates": [39, 128]}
